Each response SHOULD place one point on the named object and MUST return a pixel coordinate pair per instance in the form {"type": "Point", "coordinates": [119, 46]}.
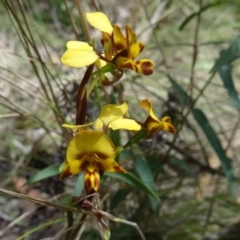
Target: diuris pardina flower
{"type": "Point", "coordinates": [90, 151]}
{"type": "Point", "coordinates": [111, 116]}
{"type": "Point", "coordinates": [118, 50]}
{"type": "Point", "coordinates": [152, 123]}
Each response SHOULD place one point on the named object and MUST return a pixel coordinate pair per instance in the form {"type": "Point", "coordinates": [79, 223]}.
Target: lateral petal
{"type": "Point", "coordinates": [78, 58]}
{"type": "Point", "coordinates": [125, 123]}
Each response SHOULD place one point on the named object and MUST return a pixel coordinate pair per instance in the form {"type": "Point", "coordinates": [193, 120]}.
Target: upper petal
{"type": "Point", "coordinates": [112, 112]}
{"type": "Point", "coordinates": [90, 141]}
{"type": "Point", "coordinates": [100, 21]}
{"type": "Point", "coordinates": [136, 49]}
{"type": "Point", "coordinates": [78, 58]}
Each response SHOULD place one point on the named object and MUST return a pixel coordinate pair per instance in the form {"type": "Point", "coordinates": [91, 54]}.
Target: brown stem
{"type": "Point", "coordinates": [82, 97]}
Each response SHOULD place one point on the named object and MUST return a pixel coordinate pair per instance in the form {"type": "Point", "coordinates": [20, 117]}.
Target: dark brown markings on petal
{"type": "Point", "coordinates": [123, 53]}
{"type": "Point", "coordinates": [84, 165]}
{"type": "Point", "coordinates": [119, 46]}
{"type": "Point", "coordinates": [135, 68]}
{"type": "Point", "coordinates": [88, 185]}
{"type": "Point", "coordinates": [171, 129]}
{"type": "Point", "coordinates": [141, 47]}
{"type": "Point", "coordinates": [100, 166]}
{"type": "Point", "coordinates": [129, 66]}
{"type": "Point", "coordinates": [65, 174]}
{"type": "Point", "coordinates": [147, 67]}
{"type": "Point", "coordinates": [168, 120]}
{"type": "Point", "coordinates": [102, 156]}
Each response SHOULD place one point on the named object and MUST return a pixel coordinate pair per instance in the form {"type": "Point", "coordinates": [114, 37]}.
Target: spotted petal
{"type": "Point", "coordinates": [72, 168]}
{"type": "Point", "coordinates": [120, 42]}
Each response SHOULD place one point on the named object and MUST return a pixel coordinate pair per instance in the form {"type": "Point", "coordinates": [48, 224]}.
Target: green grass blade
{"type": "Point", "coordinates": [216, 144]}
{"type": "Point", "coordinates": [226, 76]}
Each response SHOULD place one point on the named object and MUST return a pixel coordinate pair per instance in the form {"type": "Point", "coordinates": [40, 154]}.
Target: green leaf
{"type": "Point", "coordinates": [216, 144]}
{"type": "Point", "coordinates": [45, 173]}
{"type": "Point", "coordinates": [79, 186]}
{"type": "Point", "coordinates": [229, 55]}
{"type": "Point", "coordinates": [132, 180]}
{"type": "Point", "coordinates": [145, 174]}
{"type": "Point", "coordinates": [226, 76]}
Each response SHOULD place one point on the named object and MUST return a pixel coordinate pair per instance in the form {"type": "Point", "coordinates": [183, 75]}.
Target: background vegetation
{"type": "Point", "coordinates": [195, 46]}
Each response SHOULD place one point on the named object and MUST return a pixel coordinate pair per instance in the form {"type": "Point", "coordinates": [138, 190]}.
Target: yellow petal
{"type": "Point", "coordinates": [147, 105]}
{"type": "Point", "coordinates": [112, 112]}
{"type": "Point", "coordinates": [90, 141]}
{"type": "Point", "coordinates": [125, 123]}
{"type": "Point", "coordinates": [70, 168]}
{"type": "Point", "coordinates": [132, 38]}
{"type": "Point", "coordinates": [100, 21]}
{"type": "Point", "coordinates": [124, 62]}
{"type": "Point", "coordinates": [136, 49]}
{"type": "Point", "coordinates": [100, 63]}
{"type": "Point", "coordinates": [168, 127]}
{"type": "Point", "coordinates": [79, 45]}
{"type": "Point", "coordinates": [120, 42]}
{"type": "Point", "coordinates": [78, 58]}
{"type": "Point", "coordinates": [144, 66]}
{"type": "Point", "coordinates": [91, 179]}
{"type": "Point", "coordinates": [109, 165]}
{"type": "Point", "coordinates": [98, 123]}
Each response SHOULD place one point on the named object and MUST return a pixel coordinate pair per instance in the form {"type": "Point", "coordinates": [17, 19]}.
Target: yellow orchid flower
{"type": "Point", "coordinates": [131, 49]}
{"type": "Point", "coordinates": [122, 50]}
{"type": "Point", "coordinates": [90, 151]}
{"type": "Point", "coordinates": [153, 124]}
{"type": "Point", "coordinates": [79, 54]}
{"type": "Point", "coordinates": [112, 116]}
